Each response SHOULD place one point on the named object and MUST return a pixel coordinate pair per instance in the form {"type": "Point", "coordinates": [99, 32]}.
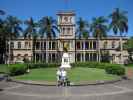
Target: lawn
{"type": "Point", "coordinates": [74, 75]}
{"type": "Point", "coordinates": [3, 68]}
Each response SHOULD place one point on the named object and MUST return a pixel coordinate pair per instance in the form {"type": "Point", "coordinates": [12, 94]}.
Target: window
{"type": "Point", "coordinates": [86, 45]}
{"type": "Point", "coordinates": [26, 44]}
{"type": "Point", "coordinates": [19, 45]}
{"type": "Point", "coordinates": [18, 56]}
{"type": "Point", "coordinates": [12, 44]}
{"type": "Point", "coordinates": [66, 19]}
{"type": "Point", "coordinates": [78, 45]}
{"type": "Point", "coordinates": [44, 45]}
{"type": "Point", "coordinates": [68, 30]}
{"type": "Point", "coordinates": [63, 31]}
{"type": "Point", "coordinates": [53, 45]}
{"type": "Point", "coordinates": [78, 57]}
{"type": "Point", "coordinates": [94, 45]}
{"type": "Point", "coordinates": [87, 57]}
{"type": "Point", "coordinates": [37, 45]}
{"type": "Point", "coordinates": [113, 44]}
{"type": "Point", "coordinates": [105, 45]}
{"type": "Point", "coordinates": [49, 45]}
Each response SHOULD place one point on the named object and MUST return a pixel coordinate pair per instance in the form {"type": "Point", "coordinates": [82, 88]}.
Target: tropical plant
{"type": "Point", "coordinates": [13, 30]}
{"type": "Point", "coordinates": [2, 38]}
{"type": "Point", "coordinates": [48, 27]}
{"type": "Point", "coordinates": [31, 33]}
{"type": "Point", "coordinates": [82, 29]}
{"type": "Point", "coordinates": [2, 12]}
{"type": "Point", "coordinates": [99, 29]}
{"type": "Point", "coordinates": [129, 47]}
{"type": "Point", "coordinates": [119, 24]}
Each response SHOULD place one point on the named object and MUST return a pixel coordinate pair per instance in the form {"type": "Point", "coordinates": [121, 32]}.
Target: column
{"type": "Point", "coordinates": [92, 45]}
{"type": "Point", "coordinates": [89, 56]}
{"type": "Point", "coordinates": [89, 45]}
{"type": "Point", "coordinates": [47, 46]}
{"type": "Point", "coordinates": [35, 58]}
{"type": "Point", "coordinates": [81, 57]}
{"type": "Point", "coordinates": [84, 50]}
{"type": "Point", "coordinates": [97, 57]}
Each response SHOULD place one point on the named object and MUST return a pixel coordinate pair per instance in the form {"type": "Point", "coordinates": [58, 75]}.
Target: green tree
{"type": "Point", "coordinates": [48, 28]}
{"type": "Point", "coordinates": [13, 30]}
{"type": "Point", "coordinates": [2, 39]}
{"type": "Point", "coordinates": [82, 28]}
{"type": "Point", "coordinates": [99, 29]}
{"type": "Point", "coordinates": [129, 47]}
{"type": "Point", "coordinates": [31, 33]}
{"type": "Point", "coordinates": [119, 24]}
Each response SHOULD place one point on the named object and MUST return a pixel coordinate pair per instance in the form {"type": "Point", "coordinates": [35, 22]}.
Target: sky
{"type": "Point", "coordinates": [23, 9]}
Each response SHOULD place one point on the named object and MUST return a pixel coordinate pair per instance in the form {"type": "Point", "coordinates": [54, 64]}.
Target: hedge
{"type": "Point", "coordinates": [17, 69]}
{"type": "Point", "coordinates": [43, 65]}
{"type": "Point", "coordinates": [115, 69]}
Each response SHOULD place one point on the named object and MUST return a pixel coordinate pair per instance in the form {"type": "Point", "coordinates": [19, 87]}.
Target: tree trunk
{"type": "Point", "coordinates": [9, 54]}
{"type": "Point", "coordinates": [121, 49]}
{"type": "Point", "coordinates": [99, 52]}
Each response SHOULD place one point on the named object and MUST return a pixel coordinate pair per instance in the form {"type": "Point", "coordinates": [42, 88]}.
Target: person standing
{"type": "Point", "coordinates": [58, 73]}
{"type": "Point", "coordinates": [63, 77]}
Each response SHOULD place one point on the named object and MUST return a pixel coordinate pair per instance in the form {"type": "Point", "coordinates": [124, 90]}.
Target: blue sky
{"type": "Point", "coordinates": [87, 9]}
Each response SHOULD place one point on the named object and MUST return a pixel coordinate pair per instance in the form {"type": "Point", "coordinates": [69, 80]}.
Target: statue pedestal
{"type": "Point", "coordinates": [65, 61]}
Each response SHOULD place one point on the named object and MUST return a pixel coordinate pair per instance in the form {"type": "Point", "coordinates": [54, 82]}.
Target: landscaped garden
{"type": "Point", "coordinates": [80, 72]}
{"type": "Point", "coordinates": [74, 75]}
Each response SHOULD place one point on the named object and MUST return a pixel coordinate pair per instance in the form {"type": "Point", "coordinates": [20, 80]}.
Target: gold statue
{"type": "Point", "coordinates": [66, 47]}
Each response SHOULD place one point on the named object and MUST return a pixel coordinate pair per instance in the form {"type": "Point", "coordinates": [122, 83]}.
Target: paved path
{"type": "Point", "coordinates": [118, 91]}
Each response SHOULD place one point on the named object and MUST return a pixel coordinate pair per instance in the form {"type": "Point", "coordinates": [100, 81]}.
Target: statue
{"type": "Point", "coordinates": [65, 58]}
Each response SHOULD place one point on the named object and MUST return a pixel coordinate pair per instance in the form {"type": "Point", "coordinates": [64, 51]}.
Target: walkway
{"type": "Point", "coordinates": [118, 91]}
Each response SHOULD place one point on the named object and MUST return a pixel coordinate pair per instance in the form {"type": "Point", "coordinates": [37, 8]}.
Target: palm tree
{"type": "Point", "coordinates": [13, 29]}
{"type": "Point", "coordinates": [2, 12]}
{"type": "Point", "coordinates": [119, 24]}
{"type": "Point", "coordinates": [82, 29]}
{"type": "Point", "coordinates": [99, 29]}
{"type": "Point", "coordinates": [31, 32]}
{"type": "Point", "coordinates": [48, 27]}
{"type": "Point", "coordinates": [2, 38]}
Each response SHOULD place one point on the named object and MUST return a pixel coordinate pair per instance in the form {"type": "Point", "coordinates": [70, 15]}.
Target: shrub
{"type": "Point", "coordinates": [93, 65]}
{"type": "Point", "coordinates": [115, 70]}
{"type": "Point", "coordinates": [109, 68]}
{"type": "Point", "coordinates": [43, 65]}
{"type": "Point", "coordinates": [17, 69]}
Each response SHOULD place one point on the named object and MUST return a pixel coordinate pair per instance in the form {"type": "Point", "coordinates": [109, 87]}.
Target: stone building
{"type": "Point", "coordinates": [51, 50]}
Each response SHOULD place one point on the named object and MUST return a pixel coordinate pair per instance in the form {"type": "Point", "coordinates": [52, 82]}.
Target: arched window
{"type": "Point", "coordinates": [18, 56]}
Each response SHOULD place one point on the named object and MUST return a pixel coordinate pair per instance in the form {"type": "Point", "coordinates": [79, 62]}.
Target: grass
{"type": "Point", "coordinates": [129, 65]}
{"type": "Point", "coordinates": [75, 75]}
{"type": "Point", "coordinates": [3, 68]}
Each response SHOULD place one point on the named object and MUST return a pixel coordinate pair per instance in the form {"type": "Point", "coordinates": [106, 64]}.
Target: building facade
{"type": "Point", "coordinates": [51, 50]}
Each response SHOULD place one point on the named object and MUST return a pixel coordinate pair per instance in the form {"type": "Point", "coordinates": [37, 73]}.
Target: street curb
{"type": "Point", "coordinates": [80, 84]}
